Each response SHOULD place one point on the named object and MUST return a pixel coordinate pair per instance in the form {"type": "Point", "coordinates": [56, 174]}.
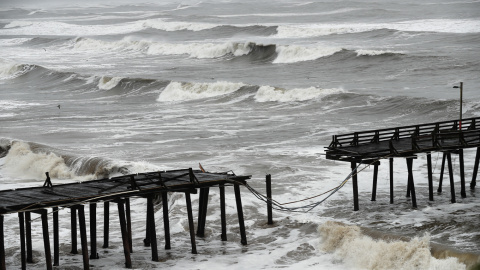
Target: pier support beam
{"type": "Point", "coordinates": [202, 211]}
{"type": "Point", "coordinates": [353, 165]}
{"type": "Point", "coordinates": [129, 224]}
{"type": "Point", "coordinates": [190, 222]}
{"type": "Point", "coordinates": [430, 177]}
{"type": "Point", "coordinates": [152, 228]}
{"type": "Point", "coordinates": [123, 228]}
{"type": "Point", "coordinates": [391, 180]}
{"type": "Point", "coordinates": [410, 182]}
{"type": "Point", "coordinates": [2, 246]}
{"type": "Point", "coordinates": [462, 173]}
{"type": "Point", "coordinates": [223, 213]}
{"type": "Point", "coordinates": [28, 227]}
{"type": "Point", "coordinates": [46, 240]}
{"type": "Point", "coordinates": [106, 223]}
{"type": "Point", "coordinates": [450, 173]}
{"type": "Point", "coordinates": [21, 221]}
{"type": "Point", "coordinates": [442, 169]}
{"type": "Point", "coordinates": [73, 225]}
{"type": "Point", "coordinates": [375, 177]}
{"type": "Point", "coordinates": [241, 222]}
{"type": "Point", "coordinates": [83, 236]}
{"type": "Point", "coordinates": [93, 231]}
{"type": "Point", "coordinates": [56, 238]}
{"type": "Point", "coordinates": [269, 199]}
{"type": "Point", "coordinates": [166, 221]}
{"type": "Point", "coordinates": [475, 170]}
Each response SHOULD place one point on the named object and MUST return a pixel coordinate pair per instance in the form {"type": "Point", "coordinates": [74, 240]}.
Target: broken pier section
{"type": "Point", "coordinates": [118, 190]}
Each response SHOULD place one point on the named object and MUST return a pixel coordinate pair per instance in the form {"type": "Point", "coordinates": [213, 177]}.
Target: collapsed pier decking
{"type": "Point", "coordinates": [371, 146]}
{"type": "Point", "coordinates": [119, 190]}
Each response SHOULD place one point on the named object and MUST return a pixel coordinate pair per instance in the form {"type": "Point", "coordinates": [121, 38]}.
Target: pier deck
{"type": "Point", "coordinates": [119, 190]}
{"type": "Point", "coordinates": [369, 147]}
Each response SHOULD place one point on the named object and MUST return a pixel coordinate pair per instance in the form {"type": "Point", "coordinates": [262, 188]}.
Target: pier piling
{"type": "Point", "coordinates": [475, 170]}
{"type": "Point", "coordinates": [166, 221]}
{"type": "Point", "coordinates": [269, 199]}
{"type": "Point", "coordinates": [106, 223]}
{"type": "Point", "coordinates": [56, 238]}
{"type": "Point", "coordinates": [353, 165]}
{"type": "Point", "coordinates": [430, 177]}
{"type": "Point", "coordinates": [241, 222]}
{"type": "Point", "coordinates": [450, 173]}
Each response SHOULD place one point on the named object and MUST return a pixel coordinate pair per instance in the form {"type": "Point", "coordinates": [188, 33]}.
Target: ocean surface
{"type": "Point", "coordinates": [94, 89]}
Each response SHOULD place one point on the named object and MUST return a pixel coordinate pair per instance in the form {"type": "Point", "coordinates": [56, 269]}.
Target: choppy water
{"type": "Point", "coordinates": [253, 87]}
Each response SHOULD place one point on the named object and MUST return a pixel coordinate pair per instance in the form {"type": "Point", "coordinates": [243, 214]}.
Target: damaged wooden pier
{"type": "Point", "coordinates": [369, 147]}
{"type": "Point", "coordinates": [37, 200]}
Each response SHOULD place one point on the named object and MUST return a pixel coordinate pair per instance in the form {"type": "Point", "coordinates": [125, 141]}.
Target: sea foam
{"type": "Point", "coordinates": [295, 53]}
{"type": "Point", "coordinates": [269, 93]}
{"type": "Point", "coordinates": [177, 91]}
{"type": "Point", "coordinates": [350, 245]}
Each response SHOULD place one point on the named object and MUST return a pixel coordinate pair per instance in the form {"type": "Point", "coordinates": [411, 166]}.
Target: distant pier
{"type": "Point", "coordinates": [119, 190]}
{"type": "Point", "coordinates": [369, 147]}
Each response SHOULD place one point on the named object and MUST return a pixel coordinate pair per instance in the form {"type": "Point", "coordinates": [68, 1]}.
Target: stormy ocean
{"type": "Point", "coordinates": [93, 89]}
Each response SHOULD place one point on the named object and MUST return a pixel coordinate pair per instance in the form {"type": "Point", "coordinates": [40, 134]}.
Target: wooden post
{"type": "Point", "coordinates": [129, 224]}
{"type": "Point", "coordinates": [190, 222]}
{"type": "Point", "coordinates": [475, 170]}
{"type": "Point", "coordinates": [28, 227]}
{"type": "Point", "coordinates": [450, 172]}
{"type": "Point", "coordinates": [269, 198]}
{"type": "Point", "coordinates": [73, 221]}
{"type": "Point", "coordinates": [442, 169]}
{"type": "Point", "coordinates": [46, 240]}
{"type": "Point", "coordinates": [410, 181]}
{"type": "Point", "coordinates": [2, 246]}
{"type": "Point", "coordinates": [202, 215]}
{"type": "Point", "coordinates": [123, 228]}
{"type": "Point", "coordinates": [223, 212]}
{"type": "Point", "coordinates": [93, 231]}
{"type": "Point", "coordinates": [106, 223]}
{"type": "Point", "coordinates": [353, 165]}
{"type": "Point", "coordinates": [146, 241]}
{"type": "Point", "coordinates": [241, 222]}
{"type": "Point", "coordinates": [21, 222]}
{"type": "Point", "coordinates": [152, 233]}
{"type": "Point", "coordinates": [83, 236]}
{"type": "Point", "coordinates": [462, 173]}
{"type": "Point", "coordinates": [56, 238]}
{"type": "Point", "coordinates": [391, 180]}
{"type": "Point", "coordinates": [430, 177]}
{"type": "Point", "coordinates": [375, 177]}
{"type": "Point", "coordinates": [166, 222]}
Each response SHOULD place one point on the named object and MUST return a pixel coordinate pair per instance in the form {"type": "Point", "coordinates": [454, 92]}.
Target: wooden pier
{"type": "Point", "coordinates": [119, 190]}
{"type": "Point", "coordinates": [369, 147]}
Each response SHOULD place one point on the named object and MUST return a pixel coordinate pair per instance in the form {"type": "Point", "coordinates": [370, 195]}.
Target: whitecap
{"type": "Point", "coordinates": [177, 91]}
{"type": "Point", "coordinates": [269, 93]}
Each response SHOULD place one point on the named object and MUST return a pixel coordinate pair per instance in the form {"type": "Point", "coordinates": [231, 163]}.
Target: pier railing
{"type": "Point", "coordinates": [416, 138]}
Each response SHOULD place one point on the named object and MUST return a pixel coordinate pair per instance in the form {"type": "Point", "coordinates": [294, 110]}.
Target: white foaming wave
{"type": "Point", "coordinates": [177, 91]}
{"type": "Point", "coordinates": [269, 93]}
{"type": "Point", "coordinates": [376, 52]}
{"type": "Point", "coordinates": [161, 24]}
{"type": "Point", "coordinates": [11, 70]}
{"type": "Point", "coordinates": [299, 31]}
{"type": "Point", "coordinates": [62, 29]}
{"type": "Point", "coordinates": [458, 26]}
{"type": "Point", "coordinates": [23, 163]}
{"type": "Point", "coordinates": [107, 83]}
{"type": "Point", "coordinates": [431, 25]}
{"type": "Point", "coordinates": [13, 41]}
{"type": "Point", "coordinates": [200, 50]}
{"type": "Point", "coordinates": [357, 250]}
{"type": "Point", "coordinates": [295, 53]}
{"type": "Point", "coordinates": [194, 50]}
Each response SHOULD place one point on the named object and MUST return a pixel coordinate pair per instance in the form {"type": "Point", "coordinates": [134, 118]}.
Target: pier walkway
{"type": "Point", "coordinates": [119, 190]}
{"type": "Point", "coordinates": [369, 147]}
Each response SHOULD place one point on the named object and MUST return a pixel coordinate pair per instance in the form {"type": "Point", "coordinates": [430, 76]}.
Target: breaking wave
{"type": "Point", "coordinates": [107, 83]}
{"type": "Point", "coordinates": [357, 250]}
{"type": "Point", "coordinates": [295, 53]}
{"type": "Point", "coordinates": [177, 91]}
{"type": "Point", "coordinates": [269, 93]}
{"type": "Point", "coordinates": [10, 70]}
{"type": "Point", "coordinates": [26, 160]}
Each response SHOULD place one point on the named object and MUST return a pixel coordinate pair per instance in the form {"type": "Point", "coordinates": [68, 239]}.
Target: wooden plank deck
{"type": "Point", "coordinates": [142, 185]}
{"type": "Point", "coordinates": [405, 140]}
